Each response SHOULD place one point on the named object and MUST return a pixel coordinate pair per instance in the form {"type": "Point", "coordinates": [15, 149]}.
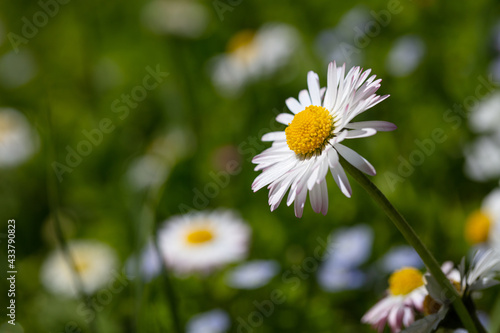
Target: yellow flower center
{"type": "Point", "coordinates": [430, 305]}
{"type": "Point", "coordinates": [477, 227]}
{"type": "Point", "coordinates": [241, 40]}
{"type": "Point", "coordinates": [405, 280]}
{"type": "Point", "coordinates": [80, 265]}
{"type": "Point", "coordinates": [199, 236]}
{"type": "Point", "coordinates": [309, 131]}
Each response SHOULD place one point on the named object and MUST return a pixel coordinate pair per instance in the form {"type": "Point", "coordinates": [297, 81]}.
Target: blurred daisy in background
{"type": "Point", "coordinates": [252, 274]}
{"type": "Point", "coordinates": [214, 321]}
{"type": "Point", "coordinates": [482, 156]}
{"type": "Point", "coordinates": [203, 241]}
{"type": "Point", "coordinates": [147, 263]}
{"type": "Point", "coordinates": [252, 55]}
{"type": "Point", "coordinates": [405, 55]}
{"type": "Point", "coordinates": [18, 140]}
{"type": "Point", "coordinates": [339, 43]}
{"type": "Point", "coordinates": [153, 168]}
{"type": "Point", "coordinates": [302, 154]}
{"type": "Point", "coordinates": [94, 262]}
{"type": "Point", "coordinates": [348, 249]}
{"type": "Point", "coordinates": [482, 274]}
{"type": "Point", "coordinates": [17, 68]}
{"type": "Point", "coordinates": [398, 257]}
{"type": "Point", "coordinates": [483, 226]}
{"type": "Point", "coordinates": [404, 297]}
{"type": "Point", "coordinates": [186, 18]}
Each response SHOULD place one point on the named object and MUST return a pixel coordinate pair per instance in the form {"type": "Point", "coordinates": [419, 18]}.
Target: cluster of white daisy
{"type": "Point", "coordinates": [416, 301]}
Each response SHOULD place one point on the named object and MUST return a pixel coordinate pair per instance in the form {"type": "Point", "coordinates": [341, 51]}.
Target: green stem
{"type": "Point", "coordinates": [412, 238]}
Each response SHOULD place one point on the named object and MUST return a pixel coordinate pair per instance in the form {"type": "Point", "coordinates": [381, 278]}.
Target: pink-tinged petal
{"type": "Point", "coordinates": [355, 159]}
{"type": "Point", "coordinates": [408, 317]}
{"type": "Point", "coordinates": [284, 118]}
{"type": "Point", "coordinates": [361, 133]}
{"type": "Point", "coordinates": [381, 126]}
{"type": "Point", "coordinates": [324, 197]}
{"type": "Point", "coordinates": [304, 98]}
{"type": "Point", "coordinates": [300, 201]}
{"type": "Point", "coordinates": [313, 85]}
{"type": "Point", "coordinates": [274, 136]}
{"type": "Point", "coordinates": [315, 197]}
{"type": "Point", "coordinates": [293, 105]}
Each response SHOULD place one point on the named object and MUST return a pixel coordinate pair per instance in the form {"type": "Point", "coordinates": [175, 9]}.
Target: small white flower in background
{"type": "Point", "coordinates": [485, 116]}
{"type": "Point", "coordinates": [214, 321]}
{"type": "Point", "coordinates": [147, 171]}
{"type": "Point", "coordinates": [399, 257]}
{"type": "Point", "coordinates": [482, 158]}
{"type": "Point", "coordinates": [17, 68]}
{"type": "Point", "coordinates": [147, 263]}
{"type": "Point", "coordinates": [339, 43]}
{"type": "Point", "coordinates": [17, 139]}
{"type": "Point", "coordinates": [483, 226]}
{"type": "Point", "coordinates": [405, 295]}
{"type": "Point", "coordinates": [482, 274]}
{"type": "Point", "coordinates": [348, 249]}
{"type": "Point", "coordinates": [203, 241]}
{"type": "Point", "coordinates": [153, 168]}
{"type": "Point", "coordinates": [252, 274]}
{"type": "Point", "coordinates": [95, 263]}
{"type": "Point", "coordinates": [252, 55]}
{"type": "Point", "coordinates": [302, 154]}
{"type": "Point", "coordinates": [405, 55]}
{"type": "Point", "coordinates": [186, 18]}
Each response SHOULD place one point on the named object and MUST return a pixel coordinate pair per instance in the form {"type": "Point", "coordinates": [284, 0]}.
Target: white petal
{"type": "Point", "coordinates": [316, 200]}
{"type": "Point", "coordinates": [338, 173]}
{"type": "Point", "coordinates": [304, 98]}
{"type": "Point", "coordinates": [313, 85]}
{"type": "Point", "coordinates": [293, 105]}
{"type": "Point", "coordinates": [381, 126]}
{"type": "Point", "coordinates": [362, 133]}
{"type": "Point", "coordinates": [274, 136]}
{"type": "Point", "coordinates": [284, 118]}
{"type": "Point", "coordinates": [355, 159]}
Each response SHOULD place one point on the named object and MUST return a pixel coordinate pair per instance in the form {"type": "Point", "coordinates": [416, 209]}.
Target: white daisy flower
{"type": "Point", "coordinates": [214, 321]}
{"type": "Point", "coordinates": [481, 275]}
{"type": "Point", "coordinates": [173, 17]}
{"type": "Point", "coordinates": [405, 295]}
{"type": "Point", "coordinates": [485, 116]}
{"type": "Point", "coordinates": [203, 241]}
{"type": "Point", "coordinates": [483, 225]}
{"type": "Point", "coordinates": [94, 261]}
{"type": "Point", "coordinates": [405, 55]}
{"type": "Point", "coordinates": [252, 55]}
{"type": "Point", "coordinates": [301, 155]}
{"type": "Point", "coordinates": [253, 274]}
{"type": "Point", "coordinates": [348, 249]}
{"type": "Point", "coordinates": [17, 139]}
{"type": "Point", "coordinates": [482, 158]}
{"type": "Point", "coordinates": [147, 263]}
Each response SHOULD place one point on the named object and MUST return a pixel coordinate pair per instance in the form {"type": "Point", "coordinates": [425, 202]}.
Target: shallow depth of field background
{"type": "Point", "coordinates": [90, 53]}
